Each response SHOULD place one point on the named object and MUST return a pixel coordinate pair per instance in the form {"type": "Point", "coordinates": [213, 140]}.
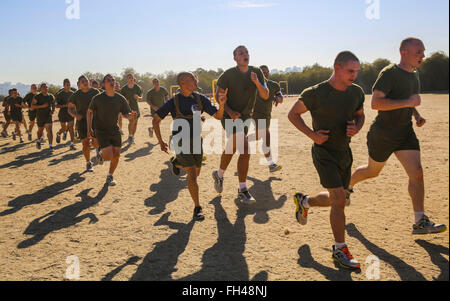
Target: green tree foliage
{"type": "Point", "coordinates": [434, 73]}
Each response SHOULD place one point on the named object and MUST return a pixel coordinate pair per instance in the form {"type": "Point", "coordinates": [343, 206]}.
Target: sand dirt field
{"type": "Point", "coordinates": [141, 229]}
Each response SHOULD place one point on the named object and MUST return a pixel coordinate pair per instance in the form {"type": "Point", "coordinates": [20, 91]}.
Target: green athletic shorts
{"type": "Point", "coordinates": [189, 160]}
{"type": "Point", "coordinates": [41, 122]}
{"type": "Point", "coordinates": [234, 130]}
{"type": "Point", "coordinates": [107, 139]}
{"type": "Point", "coordinates": [257, 119]}
{"type": "Point", "coordinates": [7, 116]}
{"type": "Point", "coordinates": [334, 167]}
{"type": "Point", "coordinates": [32, 115]}
{"type": "Point", "coordinates": [382, 144]}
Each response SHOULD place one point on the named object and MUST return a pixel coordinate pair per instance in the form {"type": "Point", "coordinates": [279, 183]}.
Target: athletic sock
{"type": "Point", "coordinates": [242, 186]}
{"type": "Point", "coordinates": [418, 216]}
{"type": "Point", "coordinates": [220, 173]}
{"type": "Point", "coordinates": [305, 202]}
{"type": "Point", "coordinates": [110, 175]}
{"type": "Point", "coordinates": [339, 245]}
{"type": "Point", "coordinates": [270, 161]}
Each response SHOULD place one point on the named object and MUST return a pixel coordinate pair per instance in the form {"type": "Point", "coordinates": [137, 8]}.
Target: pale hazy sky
{"type": "Point", "coordinates": [39, 42]}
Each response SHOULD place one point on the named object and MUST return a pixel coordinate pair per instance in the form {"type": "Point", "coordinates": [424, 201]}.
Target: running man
{"type": "Point", "coordinates": [240, 84]}
{"type": "Point", "coordinates": [263, 112]}
{"type": "Point", "coordinates": [78, 106]}
{"type": "Point", "coordinates": [16, 104]}
{"type": "Point", "coordinates": [44, 104]}
{"type": "Point", "coordinates": [6, 114]}
{"type": "Point", "coordinates": [66, 120]}
{"type": "Point", "coordinates": [156, 97]}
{"type": "Point", "coordinates": [28, 99]}
{"type": "Point", "coordinates": [133, 94]}
{"type": "Point", "coordinates": [104, 111]}
{"type": "Point", "coordinates": [337, 110]}
{"type": "Point", "coordinates": [188, 105]}
{"type": "Point", "coordinates": [396, 96]}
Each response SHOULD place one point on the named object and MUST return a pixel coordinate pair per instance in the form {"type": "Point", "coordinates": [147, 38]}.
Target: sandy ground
{"type": "Point", "coordinates": [142, 229]}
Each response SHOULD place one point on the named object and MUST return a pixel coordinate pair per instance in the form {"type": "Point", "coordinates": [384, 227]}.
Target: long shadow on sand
{"type": "Point", "coordinates": [65, 158]}
{"type": "Point", "coordinates": [166, 191]}
{"type": "Point", "coordinates": [63, 218]}
{"type": "Point", "coordinates": [13, 148]}
{"type": "Point", "coordinates": [307, 261]}
{"type": "Point", "coordinates": [143, 152]}
{"type": "Point", "coordinates": [42, 195]}
{"type": "Point", "coordinates": [437, 259]}
{"type": "Point", "coordinates": [225, 260]}
{"type": "Point", "coordinates": [265, 201]}
{"type": "Point", "coordinates": [31, 158]}
{"type": "Point", "coordinates": [160, 263]}
{"type": "Point", "coordinates": [404, 270]}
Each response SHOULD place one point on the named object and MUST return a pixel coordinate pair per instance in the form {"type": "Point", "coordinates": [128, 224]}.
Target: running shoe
{"type": "Point", "coordinates": [4, 134]}
{"type": "Point", "coordinates": [51, 149]}
{"type": "Point", "coordinates": [21, 139]}
{"type": "Point", "coordinates": [14, 136]}
{"type": "Point", "coordinates": [198, 214]}
{"type": "Point", "coordinates": [425, 226]}
{"type": "Point", "coordinates": [58, 138]}
{"type": "Point", "coordinates": [29, 136]}
{"type": "Point", "coordinates": [99, 158]}
{"type": "Point", "coordinates": [65, 136]}
{"type": "Point", "coordinates": [110, 181]}
{"type": "Point", "coordinates": [246, 198]}
{"type": "Point", "coordinates": [38, 144]}
{"type": "Point", "coordinates": [275, 167]}
{"type": "Point", "coordinates": [89, 167]}
{"type": "Point", "coordinates": [175, 169]}
{"type": "Point", "coordinates": [150, 132]}
{"type": "Point", "coordinates": [345, 259]}
{"type": "Point", "coordinates": [301, 213]}
{"type": "Point", "coordinates": [218, 182]}
{"type": "Point", "coordinates": [72, 147]}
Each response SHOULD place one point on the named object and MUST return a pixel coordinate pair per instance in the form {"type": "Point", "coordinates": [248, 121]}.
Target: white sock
{"type": "Point", "coordinates": [270, 161]}
{"type": "Point", "coordinates": [339, 245]}
{"type": "Point", "coordinates": [418, 216]}
{"type": "Point", "coordinates": [305, 202]}
{"type": "Point", "coordinates": [242, 186]}
{"type": "Point", "coordinates": [71, 143]}
{"type": "Point", "coordinates": [220, 173]}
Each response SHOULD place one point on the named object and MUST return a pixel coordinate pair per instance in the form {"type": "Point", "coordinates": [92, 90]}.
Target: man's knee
{"type": "Point", "coordinates": [338, 198]}
{"type": "Point", "coordinates": [416, 174]}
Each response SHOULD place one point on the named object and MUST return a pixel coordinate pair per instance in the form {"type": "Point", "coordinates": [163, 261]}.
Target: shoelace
{"type": "Point", "coordinates": [347, 253]}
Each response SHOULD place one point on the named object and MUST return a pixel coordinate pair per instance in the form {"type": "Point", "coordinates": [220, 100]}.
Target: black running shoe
{"type": "Point", "coordinates": [175, 170]}
{"type": "Point", "coordinates": [58, 138]}
{"type": "Point", "coordinates": [198, 214]}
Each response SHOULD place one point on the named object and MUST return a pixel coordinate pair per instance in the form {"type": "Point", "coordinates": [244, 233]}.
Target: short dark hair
{"type": "Point", "coordinates": [263, 67]}
{"type": "Point", "coordinates": [94, 82]}
{"type": "Point", "coordinates": [237, 48]}
{"type": "Point", "coordinates": [155, 80]}
{"type": "Point", "coordinates": [42, 84]}
{"type": "Point", "coordinates": [408, 41]}
{"type": "Point", "coordinates": [66, 81]}
{"type": "Point", "coordinates": [344, 57]}
{"type": "Point", "coordinates": [182, 75]}
{"type": "Point", "coordinates": [83, 76]}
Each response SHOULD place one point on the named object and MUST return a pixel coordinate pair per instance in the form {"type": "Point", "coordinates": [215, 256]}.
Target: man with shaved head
{"type": "Point", "coordinates": [186, 108]}
{"type": "Point", "coordinates": [337, 111]}
{"type": "Point", "coordinates": [395, 97]}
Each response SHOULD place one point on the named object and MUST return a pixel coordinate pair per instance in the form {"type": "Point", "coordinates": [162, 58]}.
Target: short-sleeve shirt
{"type": "Point", "coordinates": [186, 104]}
{"type": "Point", "coordinates": [129, 95]}
{"type": "Point", "coordinates": [106, 111]}
{"type": "Point", "coordinates": [331, 110]}
{"type": "Point", "coordinates": [82, 101]}
{"type": "Point", "coordinates": [43, 114]}
{"type": "Point", "coordinates": [28, 99]}
{"type": "Point", "coordinates": [263, 108]}
{"type": "Point", "coordinates": [397, 84]}
{"type": "Point", "coordinates": [62, 98]}
{"type": "Point", "coordinates": [157, 98]}
{"type": "Point", "coordinates": [12, 104]}
{"type": "Point", "coordinates": [242, 91]}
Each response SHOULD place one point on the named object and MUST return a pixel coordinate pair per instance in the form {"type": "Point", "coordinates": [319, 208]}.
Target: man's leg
{"type": "Point", "coordinates": [192, 175]}
{"type": "Point", "coordinates": [71, 129]}
{"type": "Point", "coordinates": [86, 149]}
{"type": "Point", "coordinates": [49, 128]}
{"type": "Point", "coordinates": [337, 214]}
{"type": "Point", "coordinates": [410, 159]}
{"type": "Point", "coordinates": [24, 122]}
{"type": "Point", "coordinates": [372, 170]}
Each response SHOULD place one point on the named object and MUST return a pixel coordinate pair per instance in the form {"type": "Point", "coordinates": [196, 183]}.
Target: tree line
{"type": "Point", "coordinates": [434, 76]}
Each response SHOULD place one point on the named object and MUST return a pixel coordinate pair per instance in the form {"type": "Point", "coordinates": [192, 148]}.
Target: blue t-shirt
{"type": "Point", "coordinates": [186, 104]}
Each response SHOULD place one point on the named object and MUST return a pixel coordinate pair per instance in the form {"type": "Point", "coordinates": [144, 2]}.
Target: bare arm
{"type": "Point", "coordinates": [222, 99]}
{"type": "Point", "coordinates": [156, 128]}
{"type": "Point", "coordinates": [262, 90]}
{"type": "Point", "coordinates": [381, 103]}
{"type": "Point", "coordinates": [296, 119]}
{"type": "Point", "coordinates": [234, 115]}
{"type": "Point", "coordinates": [89, 117]}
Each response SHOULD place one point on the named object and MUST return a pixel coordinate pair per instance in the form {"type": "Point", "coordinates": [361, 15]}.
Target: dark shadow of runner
{"type": "Point", "coordinates": [143, 152]}
{"type": "Point", "coordinates": [437, 259]}
{"type": "Point", "coordinates": [63, 218]}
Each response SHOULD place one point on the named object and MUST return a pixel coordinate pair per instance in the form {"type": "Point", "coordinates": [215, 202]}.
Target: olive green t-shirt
{"type": "Point", "coordinates": [157, 98]}
{"type": "Point", "coordinates": [397, 84]}
{"type": "Point", "coordinates": [28, 99]}
{"type": "Point", "coordinates": [106, 111]}
{"type": "Point", "coordinates": [12, 104]}
{"type": "Point", "coordinates": [82, 100]}
{"type": "Point", "coordinates": [331, 109]}
{"type": "Point", "coordinates": [62, 98]}
{"type": "Point", "coordinates": [41, 99]}
{"type": "Point", "coordinates": [242, 91]}
{"type": "Point", "coordinates": [263, 108]}
{"type": "Point", "coordinates": [129, 95]}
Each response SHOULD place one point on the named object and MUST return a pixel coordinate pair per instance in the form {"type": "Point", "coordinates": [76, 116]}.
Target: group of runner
{"type": "Point", "coordinates": [246, 92]}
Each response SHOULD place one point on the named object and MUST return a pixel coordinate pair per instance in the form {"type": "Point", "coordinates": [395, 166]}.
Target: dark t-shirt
{"type": "Point", "coordinates": [263, 108]}
{"type": "Point", "coordinates": [331, 109]}
{"type": "Point", "coordinates": [82, 101]}
{"type": "Point", "coordinates": [397, 84]}
{"type": "Point", "coordinates": [45, 113]}
{"type": "Point", "coordinates": [186, 104]}
{"type": "Point", "coordinates": [241, 90]}
{"type": "Point", "coordinates": [129, 95]}
{"type": "Point", "coordinates": [62, 98]}
{"type": "Point", "coordinates": [106, 111]}
{"type": "Point", "coordinates": [12, 105]}
{"type": "Point", "coordinates": [28, 99]}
